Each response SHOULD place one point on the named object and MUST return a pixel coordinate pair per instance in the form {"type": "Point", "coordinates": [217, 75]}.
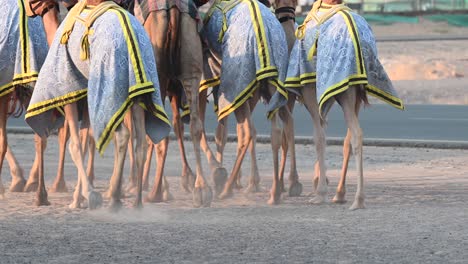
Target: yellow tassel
{"type": "Point", "coordinates": [65, 37]}
{"type": "Point", "coordinates": [84, 53]}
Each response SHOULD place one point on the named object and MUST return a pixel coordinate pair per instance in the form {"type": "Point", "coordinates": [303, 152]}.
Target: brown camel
{"type": "Point", "coordinates": [177, 46]}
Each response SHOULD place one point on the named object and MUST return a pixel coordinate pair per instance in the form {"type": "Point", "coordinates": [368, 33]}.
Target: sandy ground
{"type": "Point", "coordinates": [416, 213]}
{"type": "Point", "coordinates": [416, 198]}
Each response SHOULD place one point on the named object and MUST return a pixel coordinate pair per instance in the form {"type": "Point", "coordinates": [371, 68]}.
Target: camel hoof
{"type": "Point", "coordinates": [237, 185]}
{"type": "Point", "coordinates": [188, 181]}
{"type": "Point", "coordinates": [358, 204]}
{"type": "Point", "coordinates": [219, 177]}
{"type": "Point", "coordinates": [295, 189]}
{"type": "Point", "coordinates": [274, 199]}
{"type": "Point", "coordinates": [131, 189]}
{"type": "Point", "coordinates": [253, 188]}
{"type": "Point", "coordinates": [18, 185]}
{"type": "Point", "coordinates": [167, 196]}
{"type": "Point", "coordinates": [318, 199]}
{"type": "Point", "coordinates": [42, 202]}
{"type": "Point", "coordinates": [227, 193]}
{"type": "Point", "coordinates": [31, 186]}
{"type": "Point", "coordinates": [60, 187]}
{"type": "Point", "coordinates": [94, 200]}
{"type": "Point", "coordinates": [202, 196]}
{"type": "Point", "coordinates": [75, 205]}
{"type": "Point", "coordinates": [339, 198]}
{"type": "Point", "coordinates": [115, 205]}
{"type": "Point", "coordinates": [154, 198]}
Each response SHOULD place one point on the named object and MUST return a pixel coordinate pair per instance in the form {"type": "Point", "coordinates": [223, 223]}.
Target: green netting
{"type": "Point", "coordinates": [456, 20]}
{"type": "Point", "coordinates": [379, 19]}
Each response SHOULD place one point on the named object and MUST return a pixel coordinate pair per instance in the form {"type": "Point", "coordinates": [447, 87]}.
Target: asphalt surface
{"type": "Point", "coordinates": [447, 123]}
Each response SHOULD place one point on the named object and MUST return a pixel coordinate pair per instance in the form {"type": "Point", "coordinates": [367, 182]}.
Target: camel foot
{"type": "Point", "coordinates": [275, 195]}
{"type": "Point", "coordinates": [318, 199]}
{"type": "Point", "coordinates": [59, 187]}
{"type": "Point", "coordinates": [237, 185]}
{"type": "Point", "coordinates": [167, 196]}
{"type": "Point", "coordinates": [219, 177]}
{"type": "Point", "coordinates": [94, 200]}
{"type": "Point", "coordinates": [131, 189]}
{"type": "Point", "coordinates": [154, 197]}
{"type": "Point", "coordinates": [115, 205]}
{"type": "Point", "coordinates": [187, 181]}
{"type": "Point", "coordinates": [281, 185]}
{"type": "Point", "coordinates": [17, 185]}
{"type": "Point", "coordinates": [295, 189]}
{"type": "Point", "coordinates": [138, 205]}
{"type": "Point", "coordinates": [75, 205]}
{"type": "Point", "coordinates": [339, 198]}
{"type": "Point", "coordinates": [227, 193]}
{"type": "Point", "coordinates": [31, 186]}
{"type": "Point", "coordinates": [42, 200]}
{"type": "Point", "coordinates": [253, 188]}
{"type": "Point", "coordinates": [202, 196]}
{"type": "Point", "coordinates": [358, 204]}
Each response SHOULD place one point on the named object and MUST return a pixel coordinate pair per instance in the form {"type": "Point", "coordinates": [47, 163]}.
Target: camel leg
{"type": "Point", "coordinates": [219, 174]}
{"type": "Point", "coordinates": [187, 179]}
{"type": "Point", "coordinates": [275, 193]}
{"type": "Point", "coordinates": [295, 187]}
{"type": "Point", "coordinates": [17, 179]}
{"type": "Point", "coordinates": [131, 187]}
{"type": "Point", "coordinates": [156, 193]}
{"type": "Point", "coordinates": [3, 138]}
{"type": "Point", "coordinates": [41, 193]}
{"type": "Point", "coordinates": [83, 186]}
{"type": "Point", "coordinates": [349, 103]}
{"type": "Point", "coordinates": [214, 162]}
{"type": "Point", "coordinates": [122, 135]}
{"type": "Point", "coordinates": [91, 155]}
{"type": "Point", "coordinates": [59, 185]}
{"type": "Point", "coordinates": [33, 180]}
{"type": "Point", "coordinates": [341, 188]}
{"type": "Point", "coordinates": [141, 146]}
{"type": "Point", "coordinates": [254, 180]}
{"type": "Point", "coordinates": [147, 168]}
{"type": "Point", "coordinates": [310, 101]}
{"type": "Point", "coordinates": [244, 138]}
{"type": "Point", "coordinates": [191, 69]}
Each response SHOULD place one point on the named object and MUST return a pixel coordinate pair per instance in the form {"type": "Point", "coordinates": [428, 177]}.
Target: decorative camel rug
{"type": "Point", "coordinates": [336, 49]}
{"type": "Point", "coordinates": [23, 46]}
{"type": "Point", "coordinates": [120, 66]}
{"type": "Point", "coordinates": [251, 45]}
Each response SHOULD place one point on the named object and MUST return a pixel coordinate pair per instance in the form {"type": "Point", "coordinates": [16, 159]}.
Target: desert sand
{"type": "Point", "coordinates": [415, 197]}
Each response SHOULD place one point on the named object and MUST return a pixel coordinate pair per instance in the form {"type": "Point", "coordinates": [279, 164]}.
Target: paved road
{"type": "Point", "coordinates": [422, 122]}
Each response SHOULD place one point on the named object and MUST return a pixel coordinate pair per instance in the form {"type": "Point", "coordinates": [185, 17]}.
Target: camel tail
{"type": "Point", "coordinates": [19, 101]}
{"type": "Point", "coordinates": [362, 95]}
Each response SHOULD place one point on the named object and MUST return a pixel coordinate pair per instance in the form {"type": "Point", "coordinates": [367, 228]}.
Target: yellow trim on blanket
{"type": "Point", "coordinates": [207, 83]}
{"type": "Point", "coordinates": [340, 87]}
{"type": "Point", "coordinates": [161, 114]}
{"type": "Point", "coordinates": [132, 44]}
{"type": "Point", "coordinates": [63, 100]}
{"type": "Point", "coordinates": [18, 79]}
{"type": "Point", "coordinates": [239, 100]}
{"type": "Point", "coordinates": [116, 119]}
{"type": "Point", "coordinates": [24, 38]}
{"type": "Point", "coordinates": [259, 28]}
{"type": "Point", "coordinates": [186, 110]}
{"type": "Point", "coordinates": [384, 96]}
{"type": "Point", "coordinates": [303, 79]}
{"type": "Point", "coordinates": [354, 34]}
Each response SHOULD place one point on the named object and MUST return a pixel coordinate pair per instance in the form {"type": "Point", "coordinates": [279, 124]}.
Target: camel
{"type": "Point", "coordinates": [92, 62]}
{"type": "Point", "coordinates": [285, 12]}
{"type": "Point", "coordinates": [312, 60]}
{"type": "Point", "coordinates": [29, 45]}
{"type": "Point", "coordinates": [221, 32]}
{"type": "Point", "coordinates": [174, 35]}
